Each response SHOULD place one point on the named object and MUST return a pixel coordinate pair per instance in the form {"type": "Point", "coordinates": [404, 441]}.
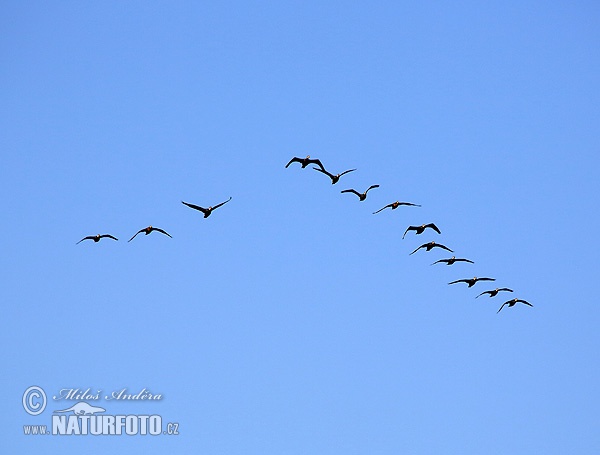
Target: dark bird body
{"type": "Point", "coordinates": [148, 230]}
{"type": "Point", "coordinates": [431, 245]}
{"type": "Point", "coordinates": [206, 211]}
{"type": "Point", "coordinates": [471, 281]}
{"type": "Point", "coordinates": [494, 292]}
{"type": "Point", "coordinates": [452, 260]}
{"type": "Point", "coordinates": [513, 302]}
{"type": "Point", "coordinates": [361, 196]}
{"type": "Point", "coordinates": [96, 238]}
{"type": "Point", "coordinates": [421, 229]}
{"type": "Point", "coordinates": [395, 205]}
{"type": "Point", "coordinates": [334, 178]}
{"type": "Point", "coordinates": [306, 161]}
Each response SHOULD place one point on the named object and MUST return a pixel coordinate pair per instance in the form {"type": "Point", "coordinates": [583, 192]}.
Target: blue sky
{"type": "Point", "coordinates": [292, 320]}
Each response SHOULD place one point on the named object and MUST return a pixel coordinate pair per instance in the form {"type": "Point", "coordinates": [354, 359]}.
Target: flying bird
{"type": "Point", "coordinates": [361, 196]}
{"type": "Point", "coordinates": [452, 260]}
{"type": "Point", "coordinates": [96, 238]}
{"type": "Point", "coordinates": [494, 292]}
{"type": "Point", "coordinates": [334, 178]}
{"type": "Point", "coordinates": [395, 205]}
{"type": "Point", "coordinates": [421, 229]}
{"type": "Point", "coordinates": [431, 245]}
{"type": "Point", "coordinates": [472, 281]}
{"type": "Point", "coordinates": [148, 230]}
{"type": "Point", "coordinates": [306, 161]}
{"type": "Point", "coordinates": [208, 210]}
{"type": "Point", "coordinates": [513, 302]}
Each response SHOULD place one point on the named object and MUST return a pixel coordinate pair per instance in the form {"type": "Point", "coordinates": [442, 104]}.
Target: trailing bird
{"type": "Point", "coordinates": [513, 302]}
{"type": "Point", "coordinates": [306, 161]}
{"type": "Point", "coordinates": [452, 260]}
{"type": "Point", "coordinates": [208, 210]}
{"type": "Point", "coordinates": [361, 196]}
{"type": "Point", "coordinates": [431, 245]}
{"type": "Point", "coordinates": [472, 281]}
{"type": "Point", "coordinates": [96, 238]}
{"type": "Point", "coordinates": [148, 230]}
{"type": "Point", "coordinates": [421, 229]}
{"type": "Point", "coordinates": [494, 292]}
{"type": "Point", "coordinates": [395, 205]}
{"type": "Point", "coordinates": [334, 178]}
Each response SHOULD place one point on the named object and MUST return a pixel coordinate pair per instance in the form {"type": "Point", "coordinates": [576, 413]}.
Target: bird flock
{"type": "Point", "coordinates": [418, 229]}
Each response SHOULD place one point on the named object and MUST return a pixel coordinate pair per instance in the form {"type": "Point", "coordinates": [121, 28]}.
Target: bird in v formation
{"type": "Point", "coordinates": [96, 238]}
{"type": "Point", "coordinates": [304, 162]}
{"type": "Point", "coordinates": [206, 211]}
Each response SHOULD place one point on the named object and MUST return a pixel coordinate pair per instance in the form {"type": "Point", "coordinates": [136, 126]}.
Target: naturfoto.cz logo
{"type": "Point", "coordinates": [83, 418]}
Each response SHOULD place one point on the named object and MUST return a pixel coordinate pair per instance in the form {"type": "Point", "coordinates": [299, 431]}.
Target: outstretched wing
{"type": "Point", "coordinates": [465, 260]}
{"type": "Point", "coordinates": [371, 187]}
{"type": "Point", "coordinates": [434, 227]}
{"type": "Point", "coordinates": [141, 230]}
{"type": "Point", "coordinates": [409, 203]}
{"type": "Point", "coordinates": [422, 246]}
{"type": "Point", "coordinates": [351, 190]}
{"type": "Point", "coordinates": [505, 303]}
{"type": "Point", "coordinates": [345, 172]}
{"type": "Point", "coordinates": [109, 236]}
{"type": "Point", "coordinates": [196, 207]}
{"type": "Point", "coordinates": [523, 301]}
{"type": "Point", "coordinates": [294, 160]}
{"type": "Point", "coordinates": [440, 260]}
{"type": "Point", "coordinates": [505, 289]}
{"type": "Point", "coordinates": [409, 228]}
{"type": "Point", "coordinates": [222, 203]}
{"type": "Point", "coordinates": [485, 292]}
{"type": "Point", "coordinates": [89, 237]}
{"type": "Point", "coordinates": [382, 208]}
{"type": "Point", "coordinates": [161, 231]}
{"type": "Point", "coordinates": [323, 171]}
{"type": "Point", "coordinates": [485, 279]}
{"type": "Point", "coordinates": [316, 161]}
{"type": "Point", "coordinates": [444, 247]}
{"type": "Point", "coordinates": [459, 281]}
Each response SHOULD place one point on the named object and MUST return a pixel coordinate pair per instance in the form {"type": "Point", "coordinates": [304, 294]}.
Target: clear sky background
{"type": "Point", "coordinates": [292, 320]}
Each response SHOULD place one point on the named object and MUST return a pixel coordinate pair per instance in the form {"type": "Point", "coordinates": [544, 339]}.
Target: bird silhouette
{"type": "Point", "coordinates": [208, 210]}
{"type": "Point", "coordinates": [513, 302]}
{"type": "Point", "coordinates": [96, 238]}
{"type": "Point", "coordinates": [334, 178]}
{"type": "Point", "coordinates": [452, 260]}
{"type": "Point", "coordinates": [361, 196]}
{"type": "Point", "coordinates": [494, 292]}
{"type": "Point", "coordinates": [421, 229]}
{"type": "Point", "coordinates": [395, 205]}
{"type": "Point", "coordinates": [431, 245]}
{"type": "Point", "coordinates": [148, 230]}
{"type": "Point", "coordinates": [472, 281]}
{"type": "Point", "coordinates": [306, 161]}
